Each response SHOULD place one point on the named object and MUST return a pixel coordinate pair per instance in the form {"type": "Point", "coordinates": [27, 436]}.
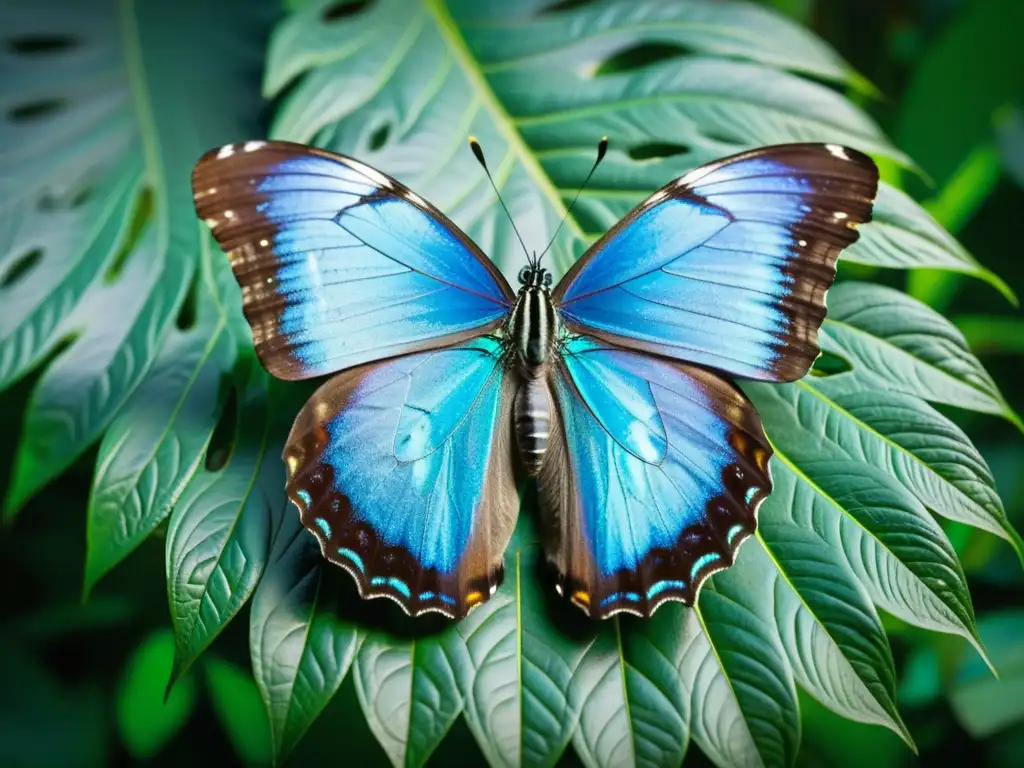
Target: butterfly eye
{"type": "Point", "coordinates": [547, 279]}
{"type": "Point", "coordinates": [523, 274]}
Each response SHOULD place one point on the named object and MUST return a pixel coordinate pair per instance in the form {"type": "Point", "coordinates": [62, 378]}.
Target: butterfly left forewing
{"type": "Point", "coordinates": [340, 264]}
{"type": "Point", "coordinates": [652, 481]}
{"type": "Point", "coordinates": [404, 471]}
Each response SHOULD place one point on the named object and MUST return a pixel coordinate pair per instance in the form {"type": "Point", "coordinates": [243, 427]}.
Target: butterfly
{"type": "Point", "coordinates": [613, 389]}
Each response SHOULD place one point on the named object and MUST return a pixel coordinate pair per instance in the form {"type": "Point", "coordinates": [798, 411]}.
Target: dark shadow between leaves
{"type": "Point", "coordinates": [140, 217]}
{"type": "Point", "coordinates": [35, 110]}
{"type": "Point", "coordinates": [19, 270]}
{"type": "Point", "coordinates": [41, 44]}
{"type": "Point", "coordinates": [344, 10]}
{"type": "Point", "coordinates": [640, 56]}
{"type": "Point", "coordinates": [829, 364]}
{"type": "Point", "coordinates": [656, 150]}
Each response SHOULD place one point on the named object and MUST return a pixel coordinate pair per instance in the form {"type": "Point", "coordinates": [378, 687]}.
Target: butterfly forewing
{"type": "Point", "coordinates": [728, 266]}
{"type": "Point", "coordinates": [340, 264]}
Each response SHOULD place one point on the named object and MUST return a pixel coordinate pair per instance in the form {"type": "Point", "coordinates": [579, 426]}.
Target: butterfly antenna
{"type": "Point", "coordinates": [602, 147]}
{"type": "Point", "coordinates": [478, 152]}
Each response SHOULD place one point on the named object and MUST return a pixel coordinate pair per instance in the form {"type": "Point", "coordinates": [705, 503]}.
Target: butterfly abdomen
{"type": "Point", "coordinates": [533, 423]}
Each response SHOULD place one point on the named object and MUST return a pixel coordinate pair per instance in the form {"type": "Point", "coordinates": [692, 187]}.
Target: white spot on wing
{"type": "Point", "coordinates": [229, 214]}
{"type": "Point", "coordinates": [414, 198]}
{"type": "Point", "coordinates": [252, 146]}
{"type": "Point", "coordinates": [226, 151]}
{"type": "Point", "coordinates": [840, 215]}
{"type": "Point", "coordinates": [837, 151]}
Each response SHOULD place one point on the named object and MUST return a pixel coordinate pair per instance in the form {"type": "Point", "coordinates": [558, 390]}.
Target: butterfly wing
{"type": "Point", "coordinates": [727, 266]}
{"type": "Point", "coordinates": [404, 471]}
{"type": "Point", "coordinates": [340, 264]}
{"type": "Point", "coordinates": [652, 479]}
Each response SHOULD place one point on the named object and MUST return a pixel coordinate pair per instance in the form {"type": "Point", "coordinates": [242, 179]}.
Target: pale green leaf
{"type": "Point", "coordinates": [908, 346]}
{"type": "Point", "coordinates": [157, 441]}
{"type": "Point", "coordinates": [301, 647]}
{"type": "Point", "coordinates": [218, 538]}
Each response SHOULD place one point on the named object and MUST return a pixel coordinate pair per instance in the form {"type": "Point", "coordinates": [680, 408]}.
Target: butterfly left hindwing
{"type": "Point", "coordinates": [404, 471]}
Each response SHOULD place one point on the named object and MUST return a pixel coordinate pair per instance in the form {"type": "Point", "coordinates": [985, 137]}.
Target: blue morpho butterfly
{"type": "Point", "coordinates": [610, 389]}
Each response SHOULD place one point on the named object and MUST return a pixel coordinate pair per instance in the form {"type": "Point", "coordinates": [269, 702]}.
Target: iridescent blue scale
{"type": "Point", "coordinates": [650, 462]}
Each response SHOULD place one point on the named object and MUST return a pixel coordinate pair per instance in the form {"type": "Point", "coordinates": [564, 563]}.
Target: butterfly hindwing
{"type": "Point", "coordinates": [652, 480]}
{"type": "Point", "coordinates": [728, 266]}
{"type": "Point", "coordinates": [340, 264]}
{"type": "Point", "coordinates": [404, 471]}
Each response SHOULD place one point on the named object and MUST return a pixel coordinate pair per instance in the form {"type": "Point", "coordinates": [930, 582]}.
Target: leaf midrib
{"type": "Point", "coordinates": [473, 70]}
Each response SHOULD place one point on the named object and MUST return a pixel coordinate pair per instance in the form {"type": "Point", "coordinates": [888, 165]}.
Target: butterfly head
{"type": "Point", "coordinates": [532, 276]}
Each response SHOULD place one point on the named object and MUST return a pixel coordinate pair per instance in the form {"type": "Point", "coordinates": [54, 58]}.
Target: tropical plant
{"type": "Point", "coordinates": [112, 288]}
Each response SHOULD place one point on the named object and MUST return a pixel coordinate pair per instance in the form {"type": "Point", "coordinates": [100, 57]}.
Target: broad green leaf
{"type": "Point", "coordinates": [146, 719]}
{"type": "Point", "coordinates": [919, 447]}
{"type": "Point", "coordinates": [828, 626]}
{"type": "Point", "coordinates": [237, 704]}
{"type": "Point", "coordinates": [400, 85]}
{"type": "Point", "coordinates": [156, 443]}
{"type": "Point", "coordinates": [219, 533]}
{"type": "Point", "coordinates": [910, 347]}
{"type": "Point", "coordinates": [107, 125]}
{"type": "Point", "coordinates": [895, 549]}
{"type": "Point", "coordinates": [301, 646]}
{"type": "Point", "coordinates": [902, 235]}
{"type": "Point", "coordinates": [394, 73]}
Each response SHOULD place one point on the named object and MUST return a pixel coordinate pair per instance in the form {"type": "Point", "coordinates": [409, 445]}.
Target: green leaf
{"type": "Point", "coordinates": [157, 441]}
{"type": "Point", "coordinates": [145, 720]}
{"type": "Point", "coordinates": [902, 235]}
{"type": "Point", "coordinates": [301, 647]}
{"type": "Point", "coordinates": [848, 530]}
{"type": "Point", "coordinates": [237, 704]}
{"type": "Point", "coordinates": [107, 125]}
{"type": "Point", "coordinates": [955, 88]}
{"type": "Point", "coordinates": [982, 704]}
{"type": "Point", "coordinates": [910, 347]}
{"type": "Point", "coordinates": [919, 447]}
{"type": "Point", "coordinates": [219, 534]}
{"type": "Point", "coordinates": [538, 108]}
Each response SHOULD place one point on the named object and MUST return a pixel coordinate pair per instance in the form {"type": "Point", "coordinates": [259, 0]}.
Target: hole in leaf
{"type": "Point", "coordinates": [222, 441]}
{"type": "Point", "coordinates": [143, 210]}
{"type": "Point", "coordinates": [657, 149]}
{"type": "Point", "coordinates": [67, 199]}
{"type": "Point", "coordinates": [568, 5]}
{"type": "Point", "coordinates": [28, 45]}
{"type": "Point", "coordinates": [34, 110]}
{"type": "Point", "coordinates": [642, 55]}
{"type": "Point", "coordinates": [380, 137]}
{"type": "Point", "coordinates": [343, 10]}
{"type": "Point", "coordinates": [21, 267]}
{"type": "Point", "coordinates": [829, 364]}
{"type": "Point", "coordinates": [187, 313]}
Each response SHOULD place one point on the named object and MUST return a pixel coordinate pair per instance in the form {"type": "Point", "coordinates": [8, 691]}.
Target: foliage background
{"type": "Point", "coordinates": [84, 683]}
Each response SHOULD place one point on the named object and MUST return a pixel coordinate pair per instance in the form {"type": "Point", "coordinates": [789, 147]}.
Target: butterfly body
{"type": "Point", "coordinates": [611, 390]}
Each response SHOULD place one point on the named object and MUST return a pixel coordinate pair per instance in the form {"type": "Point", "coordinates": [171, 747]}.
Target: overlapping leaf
{"type": "Point", "coordinates": [103, 121]}
{"type": "Point", "coordinates": [858, 465]}
{"type": "Point", "coordinates": [861, 457]}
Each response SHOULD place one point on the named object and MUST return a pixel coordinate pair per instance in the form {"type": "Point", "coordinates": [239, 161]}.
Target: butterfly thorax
{"type": "Point", "coordinates": [533, 329]}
